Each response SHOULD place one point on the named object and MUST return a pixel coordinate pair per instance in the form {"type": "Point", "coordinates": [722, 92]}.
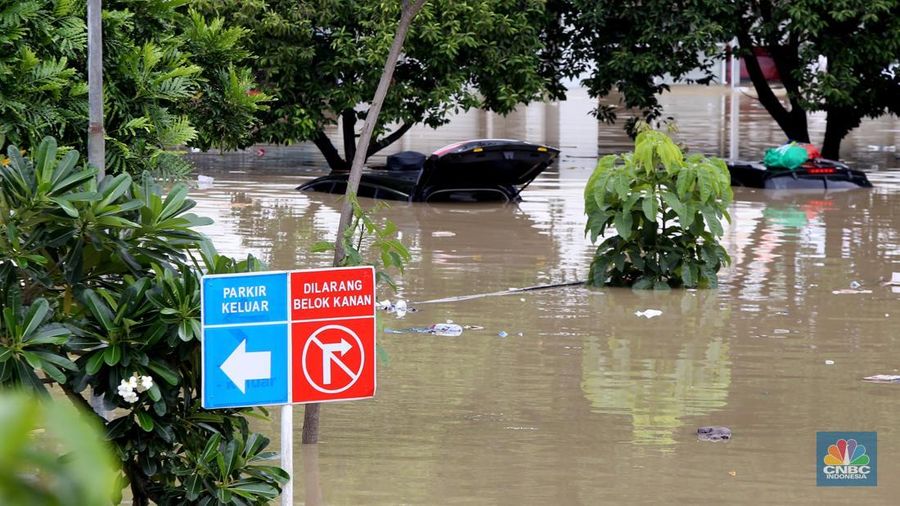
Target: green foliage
{"type": "Point", "coordinates": [100, 284]}
{"type": "Point", "coordinates": [52, 455]}
{"type": "Point", "coordinates": [666, 210]}
{"type": "Point", "coordinates": [322, 58]}
{"type": "Point", "coordinates": [367, 235]}
{"type": "Point", "coordinates": [171, 78]}
{"type": "Point", "coordinates": [630, 45]}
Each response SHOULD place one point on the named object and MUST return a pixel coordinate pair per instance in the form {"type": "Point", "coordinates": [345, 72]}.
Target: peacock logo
{"type": "Point", "coordinates": [846, 452]}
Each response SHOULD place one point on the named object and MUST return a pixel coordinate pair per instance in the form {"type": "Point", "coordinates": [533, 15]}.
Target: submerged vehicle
{"type": "Point", "coordinates": [483, 170]}
{"type": "Point", "coordinates": [817, 173]}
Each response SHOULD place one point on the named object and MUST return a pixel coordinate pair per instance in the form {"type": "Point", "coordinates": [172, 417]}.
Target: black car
{"type": "Point", "coordinates": [481, 170]}
{"type": "Point", "coordinates": [815, 174]}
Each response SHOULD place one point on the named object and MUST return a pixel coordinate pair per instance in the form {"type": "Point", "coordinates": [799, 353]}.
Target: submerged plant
{"type": "Point", "coordinates": [667, 211]}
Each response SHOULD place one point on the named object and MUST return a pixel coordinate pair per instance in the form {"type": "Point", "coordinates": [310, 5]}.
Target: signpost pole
{"type": "Point", "coordinates": [287, 453]}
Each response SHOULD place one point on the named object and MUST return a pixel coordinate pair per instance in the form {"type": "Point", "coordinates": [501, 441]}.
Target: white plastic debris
{"type": "Point", "coordinates": [648, 313]}
{"type": "Point", "coordinates": [895, 278]}
{"type": "Point", "coordinates": [829, 362]}
{"type": "Point", "coordinates": [854, 285]}
{"type": "Point", "coordinates": [883, 378]}
{"type": "Point", "coordinates": [442, 233]}
{"type": "Point", "coordinates": [446, 329]}
{"type": "Point", "coordinates": [204, 182]}
{"type": "Point", "coordinates": [850, 292]}
{"type": "Point", "coordinates": [502, 333]}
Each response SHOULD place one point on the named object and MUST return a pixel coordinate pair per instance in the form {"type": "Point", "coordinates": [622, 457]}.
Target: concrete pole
{"type": "Point", "coordinates": [96, 142]}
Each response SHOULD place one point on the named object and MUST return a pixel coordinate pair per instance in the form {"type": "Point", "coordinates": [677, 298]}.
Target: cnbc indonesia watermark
{"type": "Point", "coordinates": [846, 459]}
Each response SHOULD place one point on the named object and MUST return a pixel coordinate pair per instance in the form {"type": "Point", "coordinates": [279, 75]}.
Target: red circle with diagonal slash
{"type": "Point", "coordinates": [333, 360]}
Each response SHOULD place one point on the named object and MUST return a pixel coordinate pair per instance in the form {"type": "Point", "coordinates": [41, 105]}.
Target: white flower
{"type": "Point", "coordinates": [128, 389]}
{"type": "Point", "coordinates": [146, 384]}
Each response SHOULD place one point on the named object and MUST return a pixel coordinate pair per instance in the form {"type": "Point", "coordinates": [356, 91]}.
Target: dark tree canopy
{"type": "Point", "coordinates": [322, 60]}
{"type": "Point", "coordinates": [630, 44]}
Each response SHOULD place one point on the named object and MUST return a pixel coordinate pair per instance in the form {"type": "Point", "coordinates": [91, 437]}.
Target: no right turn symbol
{"type": "Point", "coordinates": [335, 359]}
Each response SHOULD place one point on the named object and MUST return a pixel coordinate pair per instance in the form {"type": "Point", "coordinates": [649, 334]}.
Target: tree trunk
{"type": "Point", "coordinates": [410, 9]}
{"type": "Point", "coordinates": [838, 124]}
{"type": "Point", "coordinates": [348, 124]}
{"type": "Point", "coordinates": [792, 123]}
{"type": "Point", "coordinates": [96, 136]}
{"type": "Point", "coordinates": [334, 160]}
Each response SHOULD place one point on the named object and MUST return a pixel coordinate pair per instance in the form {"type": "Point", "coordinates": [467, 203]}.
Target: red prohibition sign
{"type": "Point", "coordinates": [333, 354]}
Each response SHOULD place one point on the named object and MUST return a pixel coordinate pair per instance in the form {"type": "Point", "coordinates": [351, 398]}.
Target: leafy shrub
{"type": "Point", "coordinates": [100, 284]}
{"type": "Point", "coordinates": [171, 78]}
{"type": "Point", "coordinates": [667, 212]}
{"type": "Point", "coordinates": [50, 454]}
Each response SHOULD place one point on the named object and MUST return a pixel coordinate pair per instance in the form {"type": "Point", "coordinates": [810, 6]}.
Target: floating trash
{"type": "Point", "coordinates": [204, 182]}
{"type": "Point", "coordinates": [502, 334]}
{"type": "Point", "coordinates": [714, 434]}
{"type": "Point", "coordinates": [850, 292]}
{"type": "Point", "coordinates": [441, 233]}
{"type": "Point", "coordinates": [854, 285]}
{"type": "Point", "coordinates": [883, 378]}
{"type": "Point", "coordinates": [829, 362]}
{"type": "Point", "coordinates": [399, 309]}
{"type": "Point", "coordinates": [446, 329]}
{"type": "Point", "coordinates": [648, 313]}
{"type": "Point", "coordinates": [473, 327]}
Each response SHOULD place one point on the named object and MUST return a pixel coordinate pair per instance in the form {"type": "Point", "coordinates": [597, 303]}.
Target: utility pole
{"type": "Point", "coordinates": [96, 135]}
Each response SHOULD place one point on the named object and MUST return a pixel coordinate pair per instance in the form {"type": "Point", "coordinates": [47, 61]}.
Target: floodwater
{"type": "Point", "coordinates": [583, 402]}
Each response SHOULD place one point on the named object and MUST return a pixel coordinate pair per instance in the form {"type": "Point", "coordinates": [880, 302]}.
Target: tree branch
{"type": "Point", "coordinates": [390, 139]}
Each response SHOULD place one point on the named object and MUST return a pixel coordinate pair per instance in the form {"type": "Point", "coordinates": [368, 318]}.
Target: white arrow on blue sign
{"type": "Point", "coordinates": [245, 340]}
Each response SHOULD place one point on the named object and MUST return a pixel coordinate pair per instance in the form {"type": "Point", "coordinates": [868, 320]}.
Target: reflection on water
{"type": "Point", "coordinates": [629, 372]}
{"type": "Point", "coordinates": [583, 402]}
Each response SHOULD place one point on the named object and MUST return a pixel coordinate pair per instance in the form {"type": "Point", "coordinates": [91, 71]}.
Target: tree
{"type": "Point", "coordinates": [171, 77]}
{"type": "Point", "coordinates": [322, 59]}
{"type": "Point", "coordinates": [630, 44]}
{"type": "Point", "coordinates": [100, 295]}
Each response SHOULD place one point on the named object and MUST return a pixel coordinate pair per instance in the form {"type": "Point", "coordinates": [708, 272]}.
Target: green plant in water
{"type": "Point", "coordinates": [364, 233]}
{"type": "Point", "coordinates": [100, 295]}
{"type": "Point", "coordinates": [667, 211]}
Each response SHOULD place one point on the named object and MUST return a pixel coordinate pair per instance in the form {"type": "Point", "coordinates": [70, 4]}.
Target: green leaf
{"type": "Point", "coordinates": [165, 372]}
{"type": "Point", "coordinates": [624, 223]}
{"type": "Point", "coordinates": [144, 420]}
{"type": "Point", "coordinates": [95, 362]}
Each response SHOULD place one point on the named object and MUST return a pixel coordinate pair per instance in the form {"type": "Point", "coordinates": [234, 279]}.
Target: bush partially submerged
{"type": "Point", "coordinates": [666, 210]}
{"type": "Point", "coordinates": [99, 283]}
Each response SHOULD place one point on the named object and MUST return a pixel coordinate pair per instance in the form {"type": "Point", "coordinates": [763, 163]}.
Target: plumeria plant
{"type": "Point", "coordinates": [100, 290]}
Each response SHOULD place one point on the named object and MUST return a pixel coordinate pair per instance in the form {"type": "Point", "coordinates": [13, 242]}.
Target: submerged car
{"type": "Point", "coordinates": [815, 174]}
{"type": "Point", "coordinates": [483, 170]}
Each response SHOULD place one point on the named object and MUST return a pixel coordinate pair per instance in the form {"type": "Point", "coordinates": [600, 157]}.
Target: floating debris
{"type": "Point", "coordinates": [502, 333]}
{"type": "Point", "coordinates": [204, 182]}
{"type": "Point", "coordinates": [446, 329]}
{"type": "Point", "coordinates": [714, 434]}
{"type": "Point", "coordinates": [648, 313]}
{"type": "Point", "coordinates": [829, 362]}
{"type": "Point", "coordinates": [883, 378]}
{"type": "Point", "coordinates": [473, 327]}
{"type": "Point", "coordinates": [850, 292]}
{"type": "Point", "coordinates": [398, 309]}
{"type": "Point", "coordinates": [442, 233]}
{"type": "Point", "coordinates": [854, 285]}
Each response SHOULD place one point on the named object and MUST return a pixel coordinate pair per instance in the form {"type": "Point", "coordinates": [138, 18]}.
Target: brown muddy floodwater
{"type": "Point", "coordinates": [583, 402]}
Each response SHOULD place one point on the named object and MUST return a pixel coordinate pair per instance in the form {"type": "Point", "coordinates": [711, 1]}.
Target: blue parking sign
{"type": "Point", "coordinates": [245, 340]}
{"type": "Point", "coordinates": [245, 366]}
